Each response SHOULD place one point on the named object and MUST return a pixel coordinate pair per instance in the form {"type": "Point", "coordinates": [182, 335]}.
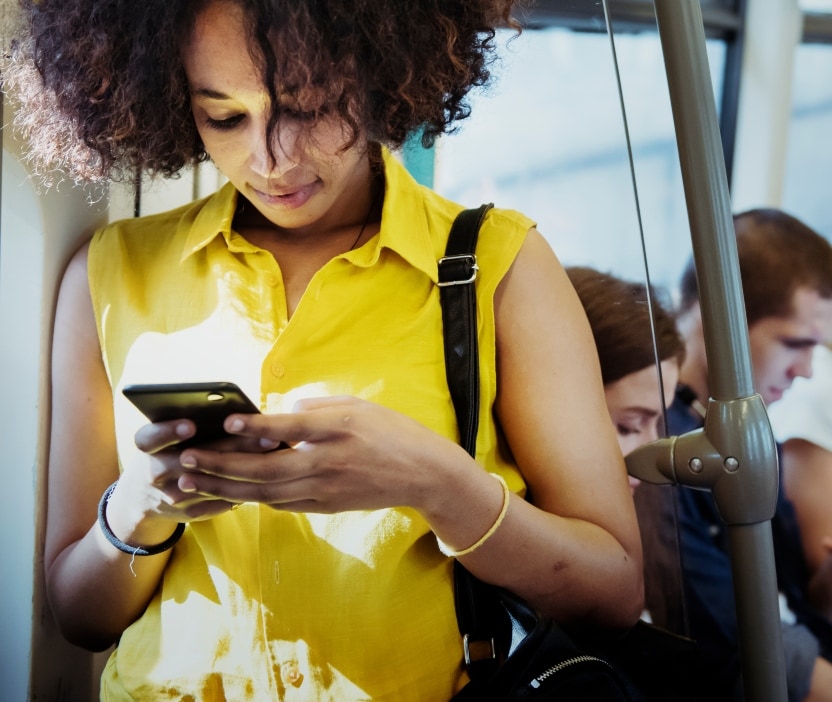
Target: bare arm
{"type": "Point", "coordinates": [807, 481]}
{"type": "Point", "coordinates": [821, 685]}
{"type": "Point", "coordinates": [91, 587]}
{"type": "Point", "coordinates": [583, 537]}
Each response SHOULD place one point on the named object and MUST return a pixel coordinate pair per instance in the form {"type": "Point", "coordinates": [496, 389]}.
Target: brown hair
{"type": "Point", "coordinates": [621, 323]}
{"type": "Point", "coordinates": [103, 92]}
{"type": "Point", "coordinates": [777, 254]}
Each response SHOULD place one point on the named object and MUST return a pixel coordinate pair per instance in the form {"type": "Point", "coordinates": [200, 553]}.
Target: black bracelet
{"type": "Point", "coordinates": [127, 548]}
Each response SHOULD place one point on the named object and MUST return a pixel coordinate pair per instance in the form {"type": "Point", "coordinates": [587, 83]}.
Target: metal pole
{"type": "Point", "coordinates": [742, 471]}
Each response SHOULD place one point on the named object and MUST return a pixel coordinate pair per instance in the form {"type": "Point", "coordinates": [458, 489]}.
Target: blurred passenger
{"type": "Point", "coordinates": [802, 421]}
{"type": "Point", "coordinates": [624, 326]}
{"type": "Point", "coordinates": [786, 272]}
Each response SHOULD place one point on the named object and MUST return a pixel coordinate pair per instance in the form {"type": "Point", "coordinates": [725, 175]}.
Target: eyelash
{"type": "Point", "coordinates": [224, 124]}
{"type": "Point", "coordinates": [231, 122]}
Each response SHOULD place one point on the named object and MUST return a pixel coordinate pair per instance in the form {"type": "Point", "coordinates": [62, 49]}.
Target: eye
{"type": "Point", "coordinates": [624, 430]}
{"type": "Point", "coordinates": [224, 124]}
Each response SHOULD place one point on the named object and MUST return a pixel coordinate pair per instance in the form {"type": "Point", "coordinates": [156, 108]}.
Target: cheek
{"type": "Point", "coordinates": [763, 359]}
{"type": "Point", "coordinates": [629, 443]}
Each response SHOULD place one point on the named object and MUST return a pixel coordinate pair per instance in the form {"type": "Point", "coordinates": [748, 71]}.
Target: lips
{"type": "Point", "coordinates": [288, 198]}
{"type": "Point", "coordinates": [775, 394]}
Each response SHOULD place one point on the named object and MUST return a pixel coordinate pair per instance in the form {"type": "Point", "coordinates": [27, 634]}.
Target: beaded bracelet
{"type": "Point", "coordinates": [127, 548]}
{"type": "Point", "coordinates": [446, 550]}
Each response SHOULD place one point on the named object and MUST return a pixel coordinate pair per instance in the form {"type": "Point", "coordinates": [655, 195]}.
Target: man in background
{"type": "Point", "coordinates": [786, 271]}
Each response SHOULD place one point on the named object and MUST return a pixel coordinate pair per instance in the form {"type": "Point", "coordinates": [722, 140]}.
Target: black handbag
{"type": "Point", "coordinates": [510, 651]}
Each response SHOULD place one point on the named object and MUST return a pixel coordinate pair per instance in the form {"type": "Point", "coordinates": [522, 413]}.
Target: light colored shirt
{"type": "Point", "coordinates": [258, 604]}
{"type": "Point", "coordinates": [805, 410]}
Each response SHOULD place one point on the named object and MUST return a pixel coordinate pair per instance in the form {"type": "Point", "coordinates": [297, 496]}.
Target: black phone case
{"type": "Point", "coordinates": [206, 404]}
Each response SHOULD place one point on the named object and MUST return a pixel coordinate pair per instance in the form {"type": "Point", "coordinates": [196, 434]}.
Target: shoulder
{"type": "Point", "coordinates": [131, 248]}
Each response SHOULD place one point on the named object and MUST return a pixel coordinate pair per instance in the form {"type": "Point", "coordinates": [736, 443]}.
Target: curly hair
{"type": "Point", "coordinates": [622, 324]}
{"type": "Point", "coordinates": [103, 93]}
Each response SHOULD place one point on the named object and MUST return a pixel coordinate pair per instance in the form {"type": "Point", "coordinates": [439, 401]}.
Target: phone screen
{"type": "Point", "coordinates": [206, 404]}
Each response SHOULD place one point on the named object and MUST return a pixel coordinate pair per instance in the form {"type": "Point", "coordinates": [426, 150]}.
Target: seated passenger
{"type": "Point", "coordinates": [802, 422]}
{"type": "Point", "coordinates": [623, 325]}
{"type": "Point", "coordinates": [786, 271]}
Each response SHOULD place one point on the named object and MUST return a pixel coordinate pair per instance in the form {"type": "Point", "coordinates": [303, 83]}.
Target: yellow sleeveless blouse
{"type": "Point", "coordinates": [256, 604]}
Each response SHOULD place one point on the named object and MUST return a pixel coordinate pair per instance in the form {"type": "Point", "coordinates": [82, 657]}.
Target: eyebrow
{"type": "Point", "coordinates": [641, 411]}
{"type": "Point", "coordinates": [209, 93]}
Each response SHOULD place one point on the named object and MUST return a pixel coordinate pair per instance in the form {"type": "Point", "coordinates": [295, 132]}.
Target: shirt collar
{"type": "Point", "coordinates": [404, 222]}
{"type": "Point", "coordinates": [405, 228]}
{"type": "Point", "coordinates": [212, 218]}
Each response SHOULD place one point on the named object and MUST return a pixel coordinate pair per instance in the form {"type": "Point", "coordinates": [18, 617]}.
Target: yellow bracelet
{"type": "Point", "coordinates": [446, 550]}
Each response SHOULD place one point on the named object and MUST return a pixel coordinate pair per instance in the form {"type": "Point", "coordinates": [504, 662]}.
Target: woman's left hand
{"type": "Point", "coordinates": [345, 454]}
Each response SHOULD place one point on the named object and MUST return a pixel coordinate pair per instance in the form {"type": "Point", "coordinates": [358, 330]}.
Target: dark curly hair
{"type": "Point", "coordinates": [103, 94]}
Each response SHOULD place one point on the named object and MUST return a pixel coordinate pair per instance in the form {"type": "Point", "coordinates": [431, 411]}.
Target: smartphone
{"type": "Point", "coordinates": [206, 404]}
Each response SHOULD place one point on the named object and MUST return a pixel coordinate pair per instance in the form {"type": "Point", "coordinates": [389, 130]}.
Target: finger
{"type": "Point", "coordinates": [238, 491]}
{"type": "Point", "coordinates": [208, 508]}
{"type": "Point", "coordinates": [270, 467]}
{"type": "Point", "coordinates": [187, 506]}
{"type": "Point", "coordinates": [155, 437]}
{"type": "Point", "coordinates": [292, 429]}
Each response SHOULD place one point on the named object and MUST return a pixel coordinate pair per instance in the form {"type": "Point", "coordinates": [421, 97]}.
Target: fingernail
{"type": "Point", "coordinates": [268, 444]}
{"type": "Point", "coordinates": [236, 425]}
{"type": "Point", "coordinates": [186, 484]}
{"type": "Point", "coordinates": [183, 430]}
{"type": "Point", "coordinates": [187, 460]}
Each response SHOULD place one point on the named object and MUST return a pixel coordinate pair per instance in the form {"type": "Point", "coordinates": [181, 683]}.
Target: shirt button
{"type": "Point", "coordinates": [291, 675]}
{"type": "Point", "coordinates": [272, 279]}
{"type": "Point", "coordinates": [278, 371]}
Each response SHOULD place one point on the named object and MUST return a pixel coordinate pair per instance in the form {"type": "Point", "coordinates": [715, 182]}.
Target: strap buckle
{"type": "Point", "coordinates": [470, 261]}
{"type": "Point", "coordinates": [478, 650]}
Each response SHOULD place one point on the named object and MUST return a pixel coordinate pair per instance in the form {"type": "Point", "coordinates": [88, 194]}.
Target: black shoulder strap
{"type": "Point", "coordinates": [457, 273]}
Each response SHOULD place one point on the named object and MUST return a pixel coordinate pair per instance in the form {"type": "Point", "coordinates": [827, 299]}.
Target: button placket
{"type": "Point", "coordinates": [290, 673]}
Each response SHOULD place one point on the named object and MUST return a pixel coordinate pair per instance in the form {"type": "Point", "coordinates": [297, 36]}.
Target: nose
{"type": "Point", "coordinates": [283, 156]}
{"type": "Point", "coordinates": [802, 367]}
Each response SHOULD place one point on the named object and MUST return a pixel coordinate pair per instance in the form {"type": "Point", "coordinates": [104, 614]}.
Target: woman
{"type": "Point", "coordinates": [309, 280]}
{"type": "Point", "coordinates": [630, 334]}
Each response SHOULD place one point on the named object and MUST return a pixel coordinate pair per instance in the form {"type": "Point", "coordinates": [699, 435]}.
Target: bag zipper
{"type": "Point", "coordinates": [549, 672]}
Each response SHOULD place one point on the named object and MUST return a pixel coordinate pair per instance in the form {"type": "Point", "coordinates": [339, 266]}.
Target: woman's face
{"type": "Point", "coordinates": [313, 181]}
{"type": "Point", "coordinates": [635, 405]}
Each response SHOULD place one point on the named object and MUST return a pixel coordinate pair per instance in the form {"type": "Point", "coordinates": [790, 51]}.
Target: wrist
{"type": "Point", "coordinates": [153, 545]}
{"type": "Point", "coordinates": [470, 509]}
{"type": "Point", "coordinates": [458, 553]}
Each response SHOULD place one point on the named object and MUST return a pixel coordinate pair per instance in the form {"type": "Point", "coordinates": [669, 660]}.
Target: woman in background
{"type": "Point", "coordinates": [624, 326]}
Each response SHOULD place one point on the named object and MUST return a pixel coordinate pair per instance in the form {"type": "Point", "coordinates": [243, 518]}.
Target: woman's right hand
{"type": "Point", "coordinates": [147, 501]}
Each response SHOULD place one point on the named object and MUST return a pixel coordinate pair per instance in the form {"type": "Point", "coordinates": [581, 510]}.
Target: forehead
{"type": "Point", "coordinates": [810, 318]}
{"type": "Point", "coordinates": [639, 391]}
{"type": "Point", "coordinates": [217, 43]}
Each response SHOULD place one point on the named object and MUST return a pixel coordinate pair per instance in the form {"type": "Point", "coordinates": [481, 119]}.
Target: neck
{"type": "Point", "coordinates": [695, 376]}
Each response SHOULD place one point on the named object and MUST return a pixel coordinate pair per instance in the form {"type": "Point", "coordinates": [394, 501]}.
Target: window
{"type": "Point", "coordinates": [809, 156]}
{"type": "Point", "coordinates": [557, 149]}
